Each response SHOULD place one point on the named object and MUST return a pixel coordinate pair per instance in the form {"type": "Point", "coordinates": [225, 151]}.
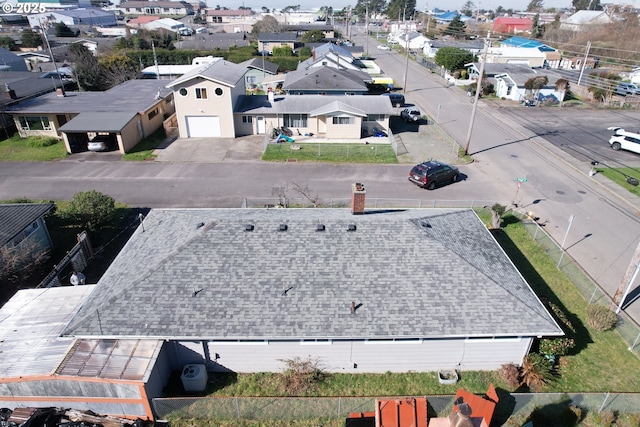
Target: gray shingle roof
{"type": "Point", "coordinates": [219, 70]}
{"type": "Point", "coordinates": [304, 104]}
{"type": "Point", "coordinates": [198, 274]}
{"type": "Point", "coordinates": [326, 79]}
{"type": "Point", "coordinates": [15, 217]}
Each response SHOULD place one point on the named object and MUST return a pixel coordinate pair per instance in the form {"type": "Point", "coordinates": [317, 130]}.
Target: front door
{"type": "Point", "coordinates": [260, 125]}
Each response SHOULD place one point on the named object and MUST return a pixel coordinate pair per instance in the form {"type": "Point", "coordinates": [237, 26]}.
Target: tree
{"type": "Point", "coordinates": [17, 262]}
{"type": "Point", "coordinates": [537, 29]}
{"type": "Point", "coordinates": [453, 58]}
{"type": "Point", "coordinates": [500, 11]}
{"type": "Point", "coordinates": [268, 24]}
{"type": "Point", "coordinates": [535, 5]}
{"type": "Point", "coordinates": [313, 36]}
{"type": "Point", "coordinates": [62, 30]}
{"type": "Point", "coordinates": [456, 27]}
{"type": "Point", "coordinates": [586, 4]}
{"type": "Point", "coordinates": [534, 84]}
{"type": "Point", "coordinates": [374, 7]}
{"type": "Point", "coordinates": [265, 9]}
{"type": "Point", "coordinates": [467, 8]}
{"type": "Point", "coordinates": [30, 38]}
{"type": "Point", "coordinates": [89, 74]}
{"type": "Point", "coordinates": [283, 51]}
{"type": "Point", "coordinates": [92, 209]}
{"type": "Point", "coordinates": [118, 68]}
{"type": "Point", "coordinates": [7, 43]}
{"type": "Point", "coordinates": [401, 9]}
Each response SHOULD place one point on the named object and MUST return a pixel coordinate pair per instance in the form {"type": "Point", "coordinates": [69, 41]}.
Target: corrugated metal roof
{"type": "Point", "coordinates": [30, 323]}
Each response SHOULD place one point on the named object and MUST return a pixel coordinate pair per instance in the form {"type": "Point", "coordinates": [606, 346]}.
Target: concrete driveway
{"type": "Point", "coordinates": [211, 150]}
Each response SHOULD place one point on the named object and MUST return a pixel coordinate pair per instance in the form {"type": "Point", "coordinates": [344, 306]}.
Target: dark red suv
{"type": "Point", "coordinates": [431, 174]}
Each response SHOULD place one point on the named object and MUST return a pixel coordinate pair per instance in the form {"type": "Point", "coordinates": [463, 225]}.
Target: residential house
{"type": "Point", "coordinates": [268, 41]}
{"type": "Point", "coordinates": [336, 117]}
{"type": "Point", "coordinates": [413, 40]}
{"type": "Point", "coordinates": [582, 20]}
{"type": "Point", "coordinates": [512, 25]}
{"type": "Point", "coordinates": [222, 41]}
{"type": "Point", "coordinates": [23, 225]}
{"type": "Point", "coordinates": [167, 24]}
{"type": "Point", "coordinates": [301, 29]}
{"type": "Point", "coordinates": [512, 85]}
{"type": "Point", "coordinates": [447, 17]}
{"type": "Point", "coordinates": [207, 286]}
{"type": "Point", "coordinates": [81, 17]}
{"type": "Point", "coordinates": [431, 46]}
{"type": "Point", "coordinates": [257, 70]}
{"type": "Point", "coordinates": [330, 55]}
{"type": "Point", "coordinates": [326, 80]}
{"type": "Point", "coordinates": [11, 62]}
{"type": "Point", "coordinates": [493, 69]}
{"type": "Point", "coordinates": [223, 16]}
{"type": "Point", "coordinates": [19, 85]}
{"type": "Point", "coordinates": [205, 99]}
{"type": "Point", "coordinates": [159, 7]}
{"type": "Point", "coordinates": [634, 76]}
{"type": "Point", "coordinates": [553, 58]}
{"type": "Point", "coordinates": [531, 57]}
{"type": "Point", "coordinates": [128, 113]}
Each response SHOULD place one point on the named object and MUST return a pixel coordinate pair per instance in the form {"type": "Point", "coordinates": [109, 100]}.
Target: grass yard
{"type": "Point", "coordinates": [144, 149]}
{"type": "Point", "coordinates": [620, 176]}
{"type": "Point", "coordinates": [32, 149]}
{"type": "Point", "coordinates": [330, 153]}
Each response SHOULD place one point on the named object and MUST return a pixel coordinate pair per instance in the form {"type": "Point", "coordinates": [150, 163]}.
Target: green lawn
{"type": "Point", "coordinates": [620, 176]}
{"type": "Point", "coordinates": [16, 149]}
{"type": "Point", "coordinates": [331, 153]}
{"type": "Point", "coordinates": [144, 149]}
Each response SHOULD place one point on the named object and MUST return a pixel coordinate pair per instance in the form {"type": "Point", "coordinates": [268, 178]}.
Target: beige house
{"type": "Point", "coordinates": [325, 116]}
{"type": "Point", "coordinates": [205, 99]}
{"type": "Point", "coordinates": [224, 16]}
{"type": "Point", "coordinates": [160, 7]}
{"type": "Point", "coordinates": [126, 113]}
{"type": "Point", "coordinates": [268, 41]}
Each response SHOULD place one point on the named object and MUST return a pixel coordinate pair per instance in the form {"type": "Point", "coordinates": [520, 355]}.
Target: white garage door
{"type": "Point", "coordinates": [201, 126]}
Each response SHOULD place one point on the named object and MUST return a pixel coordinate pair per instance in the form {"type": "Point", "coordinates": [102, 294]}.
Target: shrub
{"type": "Point", "coordinates": [536, 371]}
{"type": "Point", "coordinates": [557, 346]}
{"type": "Point", "coordinates": [302, 375]}
{"type": "Point", "coordinates": [601, 318]}
{"type": "Point", "coordinates": [600, 419]}
{"type": "Point", "coordinates": [92, 209]}
{"type": "Point", "coordinates": [510, 372]}
{"type": "Point", "coordinates": [41, 141]}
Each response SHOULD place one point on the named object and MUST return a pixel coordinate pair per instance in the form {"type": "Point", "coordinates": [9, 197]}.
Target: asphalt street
{"type": "Point", "coordinates": [602, 237]}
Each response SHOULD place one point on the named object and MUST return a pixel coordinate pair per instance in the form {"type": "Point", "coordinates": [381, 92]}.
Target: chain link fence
{"type": "Point", "coordinates": [299, 408]}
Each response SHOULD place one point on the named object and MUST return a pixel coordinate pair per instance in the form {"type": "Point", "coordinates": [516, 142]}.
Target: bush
{"type": "Point", "coordinates": [536, 371]}
{"type": "Point", "coordinates": [41, 141]}
{"type": "Point", "coordinates": [600, 419]}
{"type": "Point", "coordinates": [92, 209]}
{"type": "Point", "coordinates": [511, 374]}
{"type": "Point", "coordinates": [302, 375]}
{"type": "Point", "coordinates": [557, 346]}
{"type": "Point", "coordinates": [601, 318]}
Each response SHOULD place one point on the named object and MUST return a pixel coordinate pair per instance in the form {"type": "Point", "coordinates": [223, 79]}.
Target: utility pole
{"type": "Point", "coordinates": [406, 51]}
{"type": "Point", "coordinates": [584, 62]}
{"type": "Point", "coordinates": [487, 43]}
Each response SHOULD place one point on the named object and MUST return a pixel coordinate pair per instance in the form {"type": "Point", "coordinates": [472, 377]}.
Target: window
{"type": "Point", "coordinates": [247, 120]}
{"type": "Point", "coordinates": [34, 123]}
{"type": "Point", "coordinates": [295, 120]}
{"type": "Point", "coordinates": [343, 120]}
{"type": "Point", "coordinates": [251, 79]}
{"type": "Point", "coordinates": [374, 117]}
{"type": "Point", "coordinates": [183, 91]}
{"type": "Point", "coordinates": [152, 113]}
{"type": "Point", "coordinates": [218, 91]}
{"type": "Point", "coordinates": [201, 93]}
{"type": "Point", "coordinates": [315, 342]}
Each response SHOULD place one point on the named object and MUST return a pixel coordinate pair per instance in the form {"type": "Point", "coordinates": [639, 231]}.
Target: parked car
{"type": "Point", "coordinates": [625, 89]}
{"type": "Point", "coordinates": [432, 173]}
{"type": "Point", "coordinates": [411, 114]}
{"type": "Point", "coordinates": [384, 47]}
{"type": "Point", "coordinates": [101, 143]}
{"type": "Point", "coordinates": [621, 139]}
{"type": "Point", "coordinates": [397, 99]}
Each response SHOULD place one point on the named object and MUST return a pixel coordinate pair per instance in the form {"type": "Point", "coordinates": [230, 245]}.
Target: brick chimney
{"type": "Point", "coordinates": [358, 195]}
{"type": "Point", "coordinates": [10, 93]}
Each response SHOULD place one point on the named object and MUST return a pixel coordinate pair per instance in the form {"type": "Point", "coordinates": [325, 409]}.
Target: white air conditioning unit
{"type": "Point", "coordinates": [194, 377]}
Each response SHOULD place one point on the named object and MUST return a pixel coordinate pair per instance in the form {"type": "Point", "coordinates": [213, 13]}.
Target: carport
{"type": "Point", "coordinates": [85, 126]}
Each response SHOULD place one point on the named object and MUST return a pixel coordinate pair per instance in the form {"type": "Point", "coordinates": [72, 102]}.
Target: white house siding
{"type": "Point", "coordinates": [371, 356]}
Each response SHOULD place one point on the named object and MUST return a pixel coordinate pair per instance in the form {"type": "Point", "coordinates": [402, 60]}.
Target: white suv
{"type": "Point", "coordinates": [621, 139]}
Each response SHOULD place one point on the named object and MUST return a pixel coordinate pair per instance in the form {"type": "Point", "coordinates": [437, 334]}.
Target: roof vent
{"type": "Point", "coordinates": [426, 225]}
{"type": "Point", "coordinates": [248, 227]}
{"type": "Point", "coordinates": [351, 227]}
{"type": "Point", "coordinates": [200, 225]}
{"type": "Point", "coordinates": [283, 227]}
{"type": "Point", "coordinates": [320, 227]}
